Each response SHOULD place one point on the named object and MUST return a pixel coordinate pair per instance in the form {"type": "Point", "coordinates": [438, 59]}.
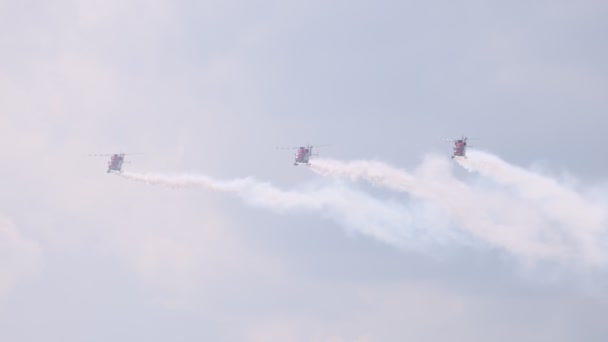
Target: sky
{"type": "Point", "coordinates": [213, 234]}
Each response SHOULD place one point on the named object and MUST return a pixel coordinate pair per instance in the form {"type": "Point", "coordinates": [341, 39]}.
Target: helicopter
{"type": "Point", "coordinates": [116, 160]}
{"type": "Point", "coordinates": [460, 147]}
{"type": "Point", "coordinates": [303, 153]}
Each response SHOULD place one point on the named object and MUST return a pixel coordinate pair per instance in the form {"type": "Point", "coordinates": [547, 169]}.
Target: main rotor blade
{"type": "Point", "coordinates": [113, 154]}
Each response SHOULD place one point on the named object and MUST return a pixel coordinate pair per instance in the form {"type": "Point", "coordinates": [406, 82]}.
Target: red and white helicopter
{"type": "Point", "coordinates": [460, 147]}
{"type": "Point", "coordinates": [303, 153]}
{"type": "Point", "coordinates": [116, 160]}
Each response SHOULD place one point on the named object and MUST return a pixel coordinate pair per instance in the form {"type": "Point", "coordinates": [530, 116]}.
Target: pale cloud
{"type": "Point", "coordinates": [190, 261]}
{"type": "Point", "coordinates": [213, 87]}
{"type": "Point", "coordinates": [20, 257]}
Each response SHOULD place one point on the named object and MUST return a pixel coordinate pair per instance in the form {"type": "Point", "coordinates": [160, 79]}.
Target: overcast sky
{"type": "Point", "coordinates": [212, 87]}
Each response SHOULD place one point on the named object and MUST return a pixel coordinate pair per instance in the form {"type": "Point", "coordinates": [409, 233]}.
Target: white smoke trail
{"type": "Point", "coordinates": [568, 209]}
{"type": "Point", "coordinates": [492, 215]}
{"type": "Point", "coordinates": [386, 221]}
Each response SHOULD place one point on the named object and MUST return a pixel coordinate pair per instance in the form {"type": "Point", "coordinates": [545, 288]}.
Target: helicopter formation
{"type": "Point", "coordinates": [302, 155]}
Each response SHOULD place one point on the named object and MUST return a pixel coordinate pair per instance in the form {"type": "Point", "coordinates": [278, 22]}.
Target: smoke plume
{"type": "Point", "coordinates": [528, 215]}
{"type": "Point", "coordinates": [542, 221]}
{"type": "Point", "coordinates": [387, 221]}
{"type": "Point", "coordinates": [570, 212]}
